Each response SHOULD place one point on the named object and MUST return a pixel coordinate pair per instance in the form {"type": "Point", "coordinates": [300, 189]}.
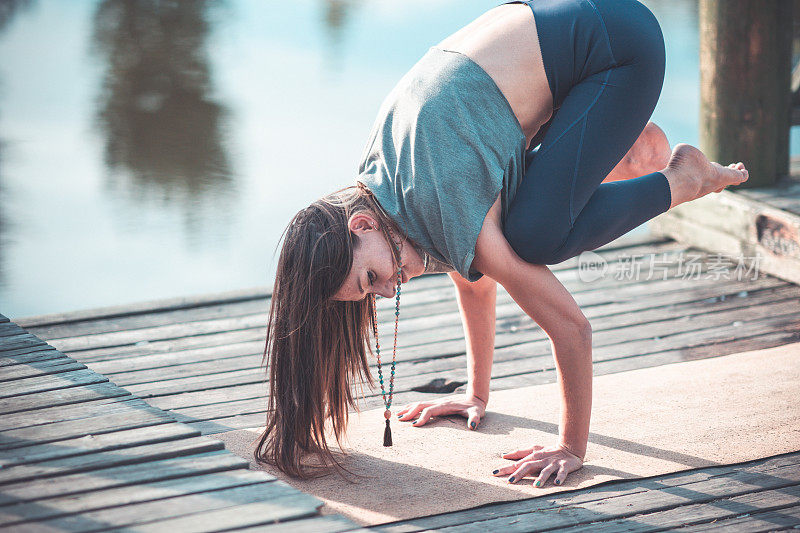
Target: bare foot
{"type": "Point", "coordinates": [691, 175]}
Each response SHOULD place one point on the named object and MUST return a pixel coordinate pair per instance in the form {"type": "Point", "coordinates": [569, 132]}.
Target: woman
{"type": "Point", "coordinates": [486, 161]}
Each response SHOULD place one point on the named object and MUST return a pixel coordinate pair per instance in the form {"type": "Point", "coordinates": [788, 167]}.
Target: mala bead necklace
{"type": "Point", "coordinates": [387, 414]}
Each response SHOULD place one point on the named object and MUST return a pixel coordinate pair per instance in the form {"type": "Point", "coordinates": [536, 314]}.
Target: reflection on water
{"type": "Point", "coordinates": [162, 126]}
{"type": "Point", "coordinates": [8, 10]}
{"type": "Point", "coordinates": [335, 16]}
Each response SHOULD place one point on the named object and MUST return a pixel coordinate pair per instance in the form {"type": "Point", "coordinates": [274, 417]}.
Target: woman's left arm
{"type": "Point", "coordinates": [542, 296]}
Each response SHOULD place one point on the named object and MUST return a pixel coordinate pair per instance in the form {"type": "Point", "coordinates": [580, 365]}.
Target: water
{"type": "Point", "coordinates": [155, 149]}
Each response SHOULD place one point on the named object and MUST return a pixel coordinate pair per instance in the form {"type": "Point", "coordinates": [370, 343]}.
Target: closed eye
{"type": "Point", "coordinates": [370, 277]}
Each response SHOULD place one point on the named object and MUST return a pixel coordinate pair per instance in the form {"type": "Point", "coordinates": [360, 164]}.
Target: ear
{"type": "Point", "coordinates": [360, 223]}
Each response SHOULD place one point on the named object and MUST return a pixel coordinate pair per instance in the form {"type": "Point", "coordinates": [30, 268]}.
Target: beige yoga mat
{"type": "Point", "coordinates": [645, 422]}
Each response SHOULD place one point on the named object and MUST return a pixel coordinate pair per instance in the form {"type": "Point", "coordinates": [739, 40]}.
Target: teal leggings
{"type": "Point", "coordinates": [604, 61]}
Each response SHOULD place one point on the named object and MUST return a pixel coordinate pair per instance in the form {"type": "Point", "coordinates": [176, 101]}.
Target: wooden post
{"type": "Point", "coordinates": [745, 70]}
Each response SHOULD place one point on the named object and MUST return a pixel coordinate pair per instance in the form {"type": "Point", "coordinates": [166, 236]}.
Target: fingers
{"type": "Point", "coordinates": [562, 473]}
{"type": "Point", "coordinates": [519, 454]}
{"type": "Point", "coordinates": [473, 418]}
{"type": "Point", "coordinates": [545, 473]}
{"type": "Point", "coordinates": [530, 465]}
{"type": "Point", "coordinates": [426, 415]}
{"type": "Point", "coordinates": [410, 411]}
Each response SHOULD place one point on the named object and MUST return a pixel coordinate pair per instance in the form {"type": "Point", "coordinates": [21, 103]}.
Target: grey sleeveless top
{"type": "Point", "coordinates": [444, 145]}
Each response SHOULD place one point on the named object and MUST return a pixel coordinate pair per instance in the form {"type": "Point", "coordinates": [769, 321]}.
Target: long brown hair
{"type": "Point", "coordinates": [316, 347]}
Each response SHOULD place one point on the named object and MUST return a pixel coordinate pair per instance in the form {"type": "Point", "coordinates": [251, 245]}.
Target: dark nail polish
{"type": "Point", "coordinates": [496, 471]}
{"type": "Point", "coordinates": [511, 479]}
{"type": "Point", "coordinates": [472, 425]}
{"type": "Point", "coordinates": [558, 482]}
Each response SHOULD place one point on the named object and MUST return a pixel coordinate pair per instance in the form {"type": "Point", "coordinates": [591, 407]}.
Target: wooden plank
{"type": "Point", "coordinates": [83, 503]}
{"type": "Point", "coordinates": [122, 455]}
{"type": "Point", "coordinates": [58, 397]}
{"type": "Point", "coordinates": [64, 380]}
{"type": "Point", "coordinates": [18, 342]}
{"type": "Point", "coordinates": [101, 451]}
{"type": "Point", "coordinates": [26, 355]}
{"type": "Point", "coordinates": [276, 501]}
{"type": "Point", "coordinates": [255, 517]}
{"type": "Point", "coordinates": [751, 503]}
{"type": "Point", "coordinates": [39, 368]}
{"type": "Point", "coordinates": [221, 425]}
{"type": "Point", "coordinates": [9, 328]}
{"type": "Point", "coordinates": [121, 476]}
{"type": "Point", "coordinates": [752, 523]}
{"type": "Point", "coordinates": [62, 430]}
{"type": "Point", "coordinates": [615, 499]}
{"type": "Point", "coordinates": [327, 523]}
{"type": "Point", "coordinates": [61, 413]}
{"type": "Point", "coordinates": [732, 223]}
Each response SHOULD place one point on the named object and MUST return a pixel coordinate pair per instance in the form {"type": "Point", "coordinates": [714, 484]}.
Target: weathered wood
{"type": "Point", "coordinates": [719, 509]}
{"type": "Point", "coordinates": [53, 398]}
{"type": "Point", "coordinates": [326, 523]}
{"type": "Point", "coordinates": [273, 501]}
{"type": "Point", "coordinates": [745, 71]}
{"type": "Point", "coordinates": [19, 342]}
{"type": "Point", "coordinates": [62, 506]}
{"type": "Point", "coordinates": [251, 515]}
{"type": "Point", "coordinates": [62, 430]}
{"type": "Point", "coordinates": [752, 523]}
{"type": "Point", "coordinates": [102, 451]}
{"type": "Point", "coordinates": [63, 452]}
{"type": "Point", "coordinates": [25, 355]}
{"type": "Point", "coordinates": [76, 411]}
{"type": "Point", "coordinates": [120, 476]}
{"type": "Point", "coordinates": [9, 328]}
{"type": "Point", "coordinates": [39, 384]}
{"type": "Point", "coordinates": [39, 368]}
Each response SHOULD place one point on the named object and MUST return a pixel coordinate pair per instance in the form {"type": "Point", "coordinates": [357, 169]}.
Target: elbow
{"type": "Point", "coordinates": [582, 329]}
{"type": "Point", "coordinates": [577, 330]}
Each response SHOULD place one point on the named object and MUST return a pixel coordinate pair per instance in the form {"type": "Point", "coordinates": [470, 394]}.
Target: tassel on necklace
{"type": "Point", "coordinates": [387, 434]}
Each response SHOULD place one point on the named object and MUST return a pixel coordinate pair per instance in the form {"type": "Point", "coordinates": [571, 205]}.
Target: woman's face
{"type": "Point", "coordinates": [373, 269]}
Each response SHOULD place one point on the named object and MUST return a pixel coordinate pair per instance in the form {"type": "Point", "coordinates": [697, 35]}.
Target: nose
{"type": "Point", "coordinates": [387, 291]}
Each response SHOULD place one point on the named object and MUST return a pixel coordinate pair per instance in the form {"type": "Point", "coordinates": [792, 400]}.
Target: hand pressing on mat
{"type": "Point", "coordinates": [471, 407]}
{"type": "Point", "coordinates": [545, 461]}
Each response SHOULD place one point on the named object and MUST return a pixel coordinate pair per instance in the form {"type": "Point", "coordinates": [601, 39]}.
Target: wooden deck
{"type": "Point", "coordinates": [200, 361]}
{"type": "Point", "coordinates": [78, 453]}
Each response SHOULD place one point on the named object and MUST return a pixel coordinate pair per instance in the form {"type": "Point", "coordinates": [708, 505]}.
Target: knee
{"type": "Point", "coordinates": [658, 151]}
